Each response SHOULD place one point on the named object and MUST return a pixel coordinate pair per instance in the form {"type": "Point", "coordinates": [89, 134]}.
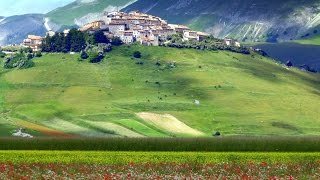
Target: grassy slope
{"type": "Point", "coordinates": [315, 40]}
{"type": "Point", "coordinates": [66, 15]}
{"type": "Point", "coordinates": [239, 94]}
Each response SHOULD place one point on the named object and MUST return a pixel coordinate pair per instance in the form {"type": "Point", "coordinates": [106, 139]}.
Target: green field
{"type": "Point", "coordinates": [87, 157]}
{"type": "Point", "coordinates": [315, 40]}
{"type": "Point", "coordinates": [238, 94]}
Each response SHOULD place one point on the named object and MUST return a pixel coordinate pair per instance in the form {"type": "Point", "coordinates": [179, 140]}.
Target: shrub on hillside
{"type": "Point", "coordinates": [19, 61]}
{"type": "Point", "coordinates": [137, 54]}
{"type": "Point", "coordinates": [29, 56]}
{"type": "Point", "coordinates": [216, 134]}
{"type": "Point", "coordinates": [38, 54]}
{"type": "Point", "coordinates": [2, 54]}
{"type": "Point", "coordinates": [84, 55]}
{"type": "Point", "coordinates": [96, 57]}
{"type": "Point", "coordinates": [116, 41]}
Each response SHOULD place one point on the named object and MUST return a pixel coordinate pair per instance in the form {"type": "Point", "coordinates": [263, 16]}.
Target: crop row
{"type": "Point", "coordinates": [214, 144]}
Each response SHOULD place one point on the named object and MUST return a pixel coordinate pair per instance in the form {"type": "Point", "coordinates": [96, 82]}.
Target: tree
{"type": "Point", "coordinates": [116, 41]}
{"type": "Point", "coordinates": [137, 54]}
{"type": "Point", "coordinates": [77, 40]}
{"type": "Point", "coordinates": [99, 37]}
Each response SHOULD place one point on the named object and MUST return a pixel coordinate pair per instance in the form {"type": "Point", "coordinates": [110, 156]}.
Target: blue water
{"type": "Point", "coordinates": [298, 54]}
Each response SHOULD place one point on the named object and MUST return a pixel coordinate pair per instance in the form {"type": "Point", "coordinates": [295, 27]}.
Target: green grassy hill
{"type": "Point", "coordinates": [315, 40]}
{"type": "Point", "coordinates": [238, 94]}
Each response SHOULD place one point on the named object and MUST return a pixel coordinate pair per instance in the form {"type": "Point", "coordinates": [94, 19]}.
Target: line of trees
{"type": "Point", "coordinates": [74, 41]}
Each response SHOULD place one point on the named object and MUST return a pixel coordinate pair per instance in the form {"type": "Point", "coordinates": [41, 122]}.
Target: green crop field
{"type": "Point", "coordinates": [237, 94]}
{"type": "Point", "coordinates": [87, 157]}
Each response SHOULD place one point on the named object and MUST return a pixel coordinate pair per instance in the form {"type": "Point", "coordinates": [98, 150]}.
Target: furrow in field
{"type": "Point", "coordinates": [117, 129]}
{"type": "Point", "coordinates": [168, 123]}
{"type": "Point", "coordinates": [43, 129]}
{"type": "Point", "coordinates": [72, 128]}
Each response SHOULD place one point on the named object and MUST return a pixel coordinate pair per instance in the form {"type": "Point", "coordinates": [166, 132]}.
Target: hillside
{"type": "Point", "coordinates": [250, 20]}
{"type": "Point", "coordinates": [81, 12]}
{"type": "Point", "coordinates": [187, 93]}
{"type": "Point", "coordinates": [15, 28]}
{"type": "Point", "coordinates": [315, 40]}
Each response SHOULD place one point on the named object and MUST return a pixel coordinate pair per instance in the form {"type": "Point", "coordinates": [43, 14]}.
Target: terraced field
{"type": "Point", "coordinates": [235, 94]}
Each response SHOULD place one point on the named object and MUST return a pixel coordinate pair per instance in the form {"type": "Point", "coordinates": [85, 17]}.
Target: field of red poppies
{"type": "Point", "coordinates": [247, 171]}
{"type": "Point", "coordinates": [157, 165]}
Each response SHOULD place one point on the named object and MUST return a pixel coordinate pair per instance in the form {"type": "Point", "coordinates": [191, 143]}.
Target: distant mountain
{"type": "Point", "coordinates": [15, 28]}
{"type": "Point", "coordinates": [82, 12]}
{"type": "Point", "coordinates": [249, 20]}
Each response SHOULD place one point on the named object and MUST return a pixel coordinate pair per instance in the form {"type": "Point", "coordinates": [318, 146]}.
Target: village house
{"type": "Point", "coordinates": [194, 35]}
{"type": "Point", "coordinates": [34, 42]}
{"type": "Point", "coordinates": [126, 36]}
{"type": "Point", "coordinates": [231, 42]}
{"type": "Point", "coordinates": [93, 26]}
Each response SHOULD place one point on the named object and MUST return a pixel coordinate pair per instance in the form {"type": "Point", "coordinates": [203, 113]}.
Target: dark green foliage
{"type": "Point", "coordinates": [29, 56]}
{"type": "Point", "coordinates": [84, 55]}
{"type": "Point", "coordinates": [116, 41]}
{"type": "Point", "coordinates": [28, 50]}
{"type": "Point", "coordinates": [223, 144]}
{"type": "Point", "coordinates": [2, 54]}
{"type": "Point", "coordinates": [210, 43]}
{"type": "Point", "coordinates": [137, 54]}
{"type": "Point", "coordinates": [99, 37]}
{"type": "Point", "coordinates": [19, 61]}
{"type": "Point", "coordinates": [95, 57]}
{"type": "Point", "coordinates": [38, 54]}
{"type": "Point", "coordinates": [75, 41]}
{"type": "Point", "coordinates": [103, 47]}
{"type": "Point", "coordinates": [216, 134]}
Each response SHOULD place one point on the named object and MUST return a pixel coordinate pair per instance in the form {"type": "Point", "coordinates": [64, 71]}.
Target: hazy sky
{"type": "Point", "coordinates": [17, 7]}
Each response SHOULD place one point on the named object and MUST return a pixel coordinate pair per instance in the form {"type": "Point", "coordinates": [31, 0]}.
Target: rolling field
{"type": "Point", "coordinates": [237, 94]}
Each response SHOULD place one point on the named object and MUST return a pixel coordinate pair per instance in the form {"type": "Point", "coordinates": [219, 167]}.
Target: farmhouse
{"type": "Point", "coordinates": [33, 41]}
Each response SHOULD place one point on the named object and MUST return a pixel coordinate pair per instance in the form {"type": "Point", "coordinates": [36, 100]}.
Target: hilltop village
{"type": "Point", "coordinates": [133, 27]}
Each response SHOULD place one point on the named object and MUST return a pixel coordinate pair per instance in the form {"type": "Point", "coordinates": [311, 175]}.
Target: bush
{"type": "Point", "coordinates": [84, 55]}
{"type": "Point", "coordinates": [29, 56]}
{"type": "Point", "coordinates": [39, 54]}
{"type": "Point", "coordinates": [2, 54]}
{"type": "Point", "coordinates": [96, 57]}
{"type": "Point", "coordinates": [216, 134]}
{"type": "Point", "coordinates": [137, 54]}
{"type": "Point", "coordinates": [19, 61]}
{"type": "Point", "coordinates": [116, 41]}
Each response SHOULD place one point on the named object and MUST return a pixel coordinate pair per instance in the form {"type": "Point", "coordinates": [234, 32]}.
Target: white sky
{"type": "Point", "coordinates": [18, 7]}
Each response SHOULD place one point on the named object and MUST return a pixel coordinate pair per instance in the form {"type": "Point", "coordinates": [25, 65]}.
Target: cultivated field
{"type": "Point", "coordinates": [236, 94]}
{"type": "Point", "coordinates": [157, 165]}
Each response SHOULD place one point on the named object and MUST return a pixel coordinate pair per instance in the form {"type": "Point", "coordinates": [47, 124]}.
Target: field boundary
{"type": "Point", "coordinates": [214, 144]}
